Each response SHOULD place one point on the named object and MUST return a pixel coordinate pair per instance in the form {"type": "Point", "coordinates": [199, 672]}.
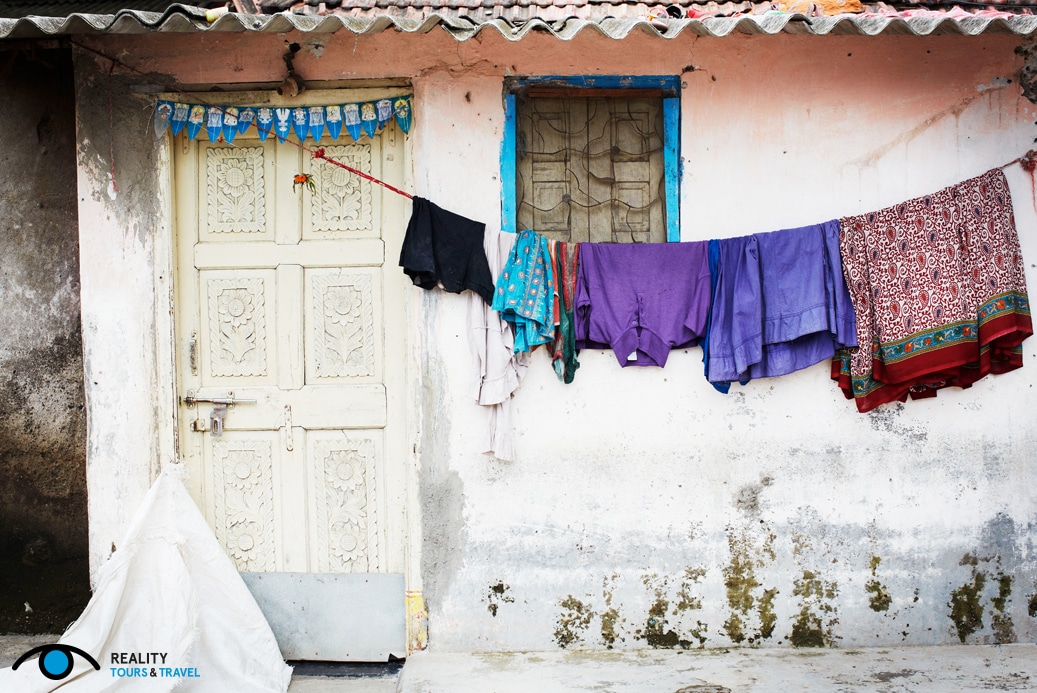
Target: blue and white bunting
{"type": "Point", "coordinates": [195, 121]}
{"type": "Point", "coordinates": [230, 124]}
{"type": "Point", "coordinates": [214, 124]}
{"type": "Point", "coordinates": [401, 107]}
{"type": "Point", "coordinates": [264, 122]}
{"type": "Point", "coordinates": [384, 110]}
{"type": "Point", "coordinates": [281, 124]}
{"type": "Point", "coordinates": [351, 116]}
{"type": "Point", "coordinates": [246, 116]}
{"type": "Point", "coordinates": [179, 119]}
{"type": "Point", "coordinates": [316, 122]}
{"type": "Point", "coordinates": [334, 121]}
{"type": "Point", "coordinates": [368, 119]}
{"type": "Point", "coordinates": [224, 123]}
{"type": "Point", "coordinates": [163, 114]}
{"type": "Point", "coordinates": [300, 122]}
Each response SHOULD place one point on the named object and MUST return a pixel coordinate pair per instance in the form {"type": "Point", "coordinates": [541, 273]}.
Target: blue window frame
{"type": "Point", "coordinates": [669, 87]}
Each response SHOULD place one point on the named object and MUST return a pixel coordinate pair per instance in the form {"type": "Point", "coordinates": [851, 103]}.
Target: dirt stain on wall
{"type": "Point", "coordinates": [813, 626]}
{"type": "Point", "coordinates": [573, 622]}
{"type": "Point", "coordinates": [610, 618]}
{"type": "Point", "coordinates": [749, 551]}
{"type": "Point", "coordinates": [966, 606]}
{"type": "Point", "coordinates": [1000, 620]}
{"type": "Point", "coordinates": [497, 595]}
{"type": "Point", "coordinates": [879, 598]}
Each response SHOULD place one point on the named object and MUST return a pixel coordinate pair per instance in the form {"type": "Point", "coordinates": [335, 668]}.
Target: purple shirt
{"type": "Point", "coordinates": [780, 304]}
{"type": "Point", "coordinates": [641, 300]}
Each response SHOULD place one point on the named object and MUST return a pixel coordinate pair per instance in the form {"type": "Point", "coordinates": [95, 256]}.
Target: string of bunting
{"type": "Point", "coordinates": [358, 119]}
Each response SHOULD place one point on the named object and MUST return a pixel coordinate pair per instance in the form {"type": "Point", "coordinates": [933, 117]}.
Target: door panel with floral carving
{"type": "Point", "coordinates": [282, 298]}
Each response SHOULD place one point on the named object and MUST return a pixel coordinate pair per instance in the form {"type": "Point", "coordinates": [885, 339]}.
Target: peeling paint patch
{"type": "Point", "coordinates": [497, 595]}
{"type": "Point", "coordinates": [658, 631]}
{"type": "Point", "coordinates": [686, 600]}
{"type": "Point", "coordinates": [654, 631]}
{"type": "Point", "coordinates": [610, 618]}
{"type": "Point", "coordinates": [813, 626]}
{"type": "Point", "coordinates": [995, 83]}
{"type": "Point", "coordinates": [573, 622]}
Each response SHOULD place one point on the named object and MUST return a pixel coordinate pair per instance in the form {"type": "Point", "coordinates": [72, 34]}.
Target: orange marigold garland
{"type": "Point", "coordinates": [304, 179]}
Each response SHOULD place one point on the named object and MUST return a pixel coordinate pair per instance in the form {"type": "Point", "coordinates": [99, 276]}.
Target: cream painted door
{"type": "Point", "coordinates": [284, 297]}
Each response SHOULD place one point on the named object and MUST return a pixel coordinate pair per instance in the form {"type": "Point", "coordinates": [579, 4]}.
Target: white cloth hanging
{"type": "Point", "coordinates": [498, 369]}
{"type": "Point", "coordinates": [170, 605]}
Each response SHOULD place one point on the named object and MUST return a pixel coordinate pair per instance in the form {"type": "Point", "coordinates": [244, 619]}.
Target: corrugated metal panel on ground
{"type": "Point", "coordinates": [181, 19]}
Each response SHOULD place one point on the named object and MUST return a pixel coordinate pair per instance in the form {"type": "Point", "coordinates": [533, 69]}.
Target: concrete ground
{"type": "Point", "coordinates": [945, 669]}
{"type": "Point", "coordinates": [888, 670]}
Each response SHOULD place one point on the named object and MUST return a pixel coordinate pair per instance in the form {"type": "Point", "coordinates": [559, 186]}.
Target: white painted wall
{"type": "Point", "coordinates": [634, 487]}
{"type": "Point", "coordinates": [125, 268]}
{"type": "Point", "coordinates": [629, 478]}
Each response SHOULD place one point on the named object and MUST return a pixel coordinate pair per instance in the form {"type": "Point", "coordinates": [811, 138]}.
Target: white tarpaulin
{"type": "Point", "coordinates": [170, 611]}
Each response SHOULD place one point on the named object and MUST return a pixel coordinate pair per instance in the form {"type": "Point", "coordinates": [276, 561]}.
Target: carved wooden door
{"type": "Point", "coordinates": [283, 298]}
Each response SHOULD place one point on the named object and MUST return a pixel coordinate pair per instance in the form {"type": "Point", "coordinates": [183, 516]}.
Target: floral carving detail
{"type": "Point", "coordinates": [344, 326]}
{"type": "Point", "coordinates": [347, 526]}
{"type": "Point", "coordinates": [237, 327]}
{"type": "Point", "coordinates": [244, 502]}
{"type": "Point", "coordinates": [234, 190]}
{"type": "Point", "coordinates": [236, 304]}
{"type": "Point", "coordinates": [342, 304]}
{"type": "Point", "coordinates": [343, 200]}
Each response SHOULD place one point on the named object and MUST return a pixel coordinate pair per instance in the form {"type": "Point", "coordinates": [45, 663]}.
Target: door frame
{"type": "Point", "coordinates": [171, 347]}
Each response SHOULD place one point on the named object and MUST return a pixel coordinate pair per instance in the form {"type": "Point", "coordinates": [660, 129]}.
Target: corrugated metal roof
{"type": "Point", "coordinates": [63, 8]}
{"type": "Point", "coordinates": [183, 19]}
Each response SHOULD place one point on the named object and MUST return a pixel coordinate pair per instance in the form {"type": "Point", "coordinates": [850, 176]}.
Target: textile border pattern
{"type": "Point", "coordinates": [939, 288]}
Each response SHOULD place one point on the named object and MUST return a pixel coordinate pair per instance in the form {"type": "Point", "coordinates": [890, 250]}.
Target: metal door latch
{"type": "Point", "coordinates": [218, 413]}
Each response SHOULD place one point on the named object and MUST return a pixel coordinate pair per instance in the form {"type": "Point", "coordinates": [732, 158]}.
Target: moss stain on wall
{"type": "Point", "coordinates": [496, 595]}
{"type": "Point", "coordinates": [1000, 620]}
{"type": "Point", "coordinates": [747, 555]}
{"type": "Point", "coordinates": [965, 605]}
{"type": "Point", "coordinates": [610, 618]}
{"type": "Point", "coordinates": [813, 626]}
{"type": "Point", "coordinates": [879, 598]}
{"type": "Point", "coordinates": [573, 622]}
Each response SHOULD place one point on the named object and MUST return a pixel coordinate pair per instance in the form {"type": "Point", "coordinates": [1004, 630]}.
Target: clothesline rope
{"type": "Point", "coordinates": [1028, 162]}
{"type": "Point", "coordinates": [316, 153]}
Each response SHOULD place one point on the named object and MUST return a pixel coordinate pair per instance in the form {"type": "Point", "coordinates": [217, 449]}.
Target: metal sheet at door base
{"type": "Point", "coordinates": [338, 617]}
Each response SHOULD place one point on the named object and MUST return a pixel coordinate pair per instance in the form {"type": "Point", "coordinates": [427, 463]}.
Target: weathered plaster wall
{"type": "Point", "coordinates": [644, 509]}
{"type": "Point", "coordinates": [43, 539]}
{"type": "Point", "coordinates": [124, 244]}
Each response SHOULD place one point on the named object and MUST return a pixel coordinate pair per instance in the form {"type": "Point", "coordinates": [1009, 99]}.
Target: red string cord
{"type": "Point", "coordinates": [317, 153]}
{"type": "Point", "coordinates": [1029, 163]}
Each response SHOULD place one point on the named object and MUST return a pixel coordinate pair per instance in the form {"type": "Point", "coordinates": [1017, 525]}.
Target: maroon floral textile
{"type": "Point", "coordinates": [938, 286]}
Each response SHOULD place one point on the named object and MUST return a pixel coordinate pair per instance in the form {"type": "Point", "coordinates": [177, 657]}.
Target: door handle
{"type": "Point", "coordinates": [218, 413]}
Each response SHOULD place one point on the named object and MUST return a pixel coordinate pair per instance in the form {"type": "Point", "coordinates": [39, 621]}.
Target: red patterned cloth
{"type": "Point", "coordinates": [939, 290]}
